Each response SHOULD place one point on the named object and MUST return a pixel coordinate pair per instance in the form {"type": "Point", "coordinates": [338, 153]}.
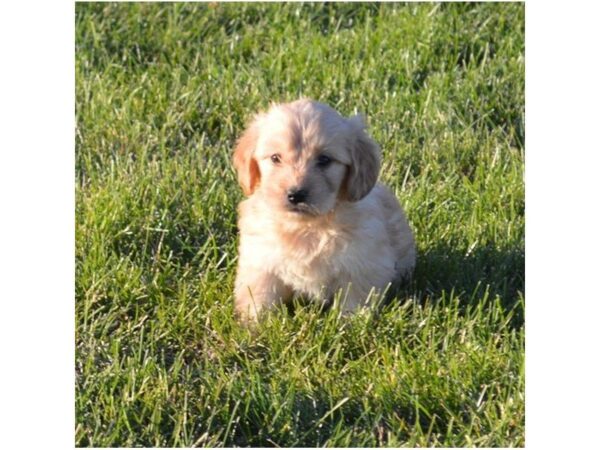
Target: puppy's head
{"type": "Point", "coordinates": [303, 157]}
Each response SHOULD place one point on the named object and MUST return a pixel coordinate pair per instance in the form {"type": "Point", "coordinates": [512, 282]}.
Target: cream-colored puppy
{"type": "Point", "coordinates": [316, 221]}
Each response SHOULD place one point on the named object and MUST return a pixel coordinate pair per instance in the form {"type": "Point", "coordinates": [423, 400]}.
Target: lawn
{"type": "Point", "coordinates": [162, 93]}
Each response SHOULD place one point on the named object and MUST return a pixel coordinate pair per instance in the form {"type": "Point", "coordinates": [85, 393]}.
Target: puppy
{"type": "Point", "coordinates": [315, 221]}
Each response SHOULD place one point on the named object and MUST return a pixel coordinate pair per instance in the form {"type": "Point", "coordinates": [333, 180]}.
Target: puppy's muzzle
{"type": "Point", "coordinates": [296, 195]}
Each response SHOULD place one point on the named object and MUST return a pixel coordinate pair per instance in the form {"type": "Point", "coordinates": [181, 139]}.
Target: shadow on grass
{"type": "Point", "coordinates": [443, 269]}
{"type": "Point", "coordinates": [499, 270]}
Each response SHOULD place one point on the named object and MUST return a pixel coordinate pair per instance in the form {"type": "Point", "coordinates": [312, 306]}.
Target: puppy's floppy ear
{"type": "Point", "coordinates": [244, 162]}
{"type": "Point", "coordinates": [365, 163]}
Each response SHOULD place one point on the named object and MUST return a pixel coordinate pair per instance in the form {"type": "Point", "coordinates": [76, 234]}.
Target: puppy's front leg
{"type": "Point", "coordinates": [256, 291]}
{"type": "Point", "coordinates": [353, 299]}
{"type": "Point", "coordinates": [351, 303]}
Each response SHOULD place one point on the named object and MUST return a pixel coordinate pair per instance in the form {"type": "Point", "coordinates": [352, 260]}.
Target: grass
{"type": "Point", "coordinates": [162, 92]}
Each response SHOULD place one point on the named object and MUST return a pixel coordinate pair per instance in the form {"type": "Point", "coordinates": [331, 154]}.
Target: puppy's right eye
{"type": "Point", "coordinates": [323, 161]}
{"type": "Point", "coordinates": [276, 158]}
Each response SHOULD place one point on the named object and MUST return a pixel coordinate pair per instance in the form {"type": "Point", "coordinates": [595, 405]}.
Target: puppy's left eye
{"type": "Point", "coordinates": [323, 161]}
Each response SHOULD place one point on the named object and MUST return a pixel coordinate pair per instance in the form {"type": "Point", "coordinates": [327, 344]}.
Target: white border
{"type": "Point", "coordinates": [37, 224]}
{"type": "Point", "coordinates": [562, 198]}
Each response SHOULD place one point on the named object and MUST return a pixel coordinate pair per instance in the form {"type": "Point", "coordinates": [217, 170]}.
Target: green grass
{"type": "Point", "coordinates": [162, 92]}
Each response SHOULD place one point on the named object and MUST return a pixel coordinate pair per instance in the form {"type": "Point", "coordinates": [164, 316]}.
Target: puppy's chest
{"type": "Point", "coordinates": [309, 261]}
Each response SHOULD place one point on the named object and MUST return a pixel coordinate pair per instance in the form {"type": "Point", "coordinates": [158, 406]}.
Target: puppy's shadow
{"type": "Point", "coordinates": [443, 269]}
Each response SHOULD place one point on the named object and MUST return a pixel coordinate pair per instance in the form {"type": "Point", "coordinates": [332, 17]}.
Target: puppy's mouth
{"type": "Point", "coordinates": [303, 209]}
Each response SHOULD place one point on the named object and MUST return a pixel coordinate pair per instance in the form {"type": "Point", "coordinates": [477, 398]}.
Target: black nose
{"type": "Point", "coordinates": [296, 196]}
